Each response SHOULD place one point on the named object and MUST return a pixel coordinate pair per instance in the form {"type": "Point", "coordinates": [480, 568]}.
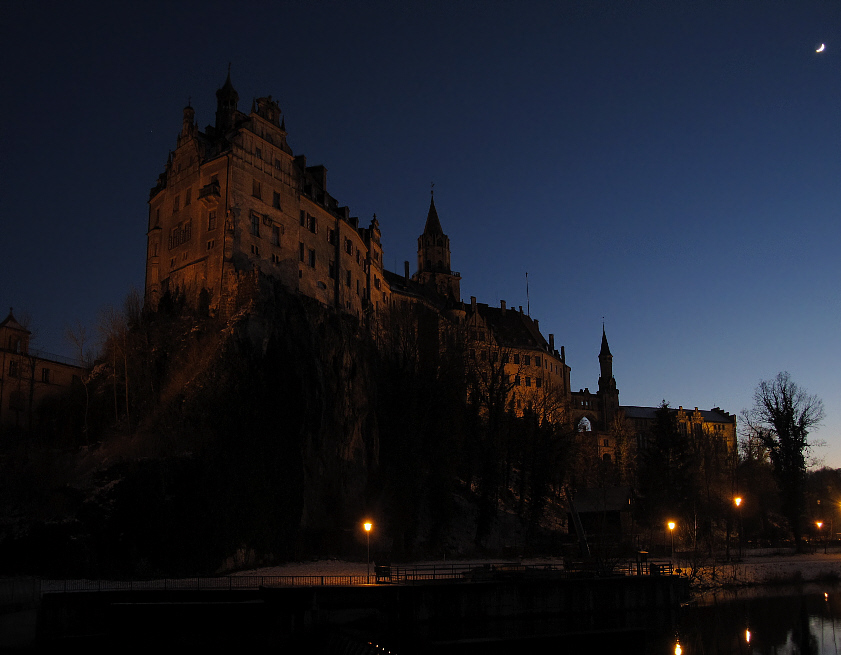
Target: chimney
{"type": "Point", "coordinates": [551, 343]}
{"type": "Point", "coordinates": [406, 271]}
{"type": "Point", "coordinates": [563, 356]}
{"type": "Point", "coordinates": [473, 303]}
{"type": "Point", "coordinates": [502, 305]}
{"type": "Point", "coordinates": [521, 309]}
{"type": "Point", "coordinates": [536, 324]}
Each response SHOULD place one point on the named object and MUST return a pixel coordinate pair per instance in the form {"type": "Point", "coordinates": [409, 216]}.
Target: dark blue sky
{"type": "Point", "coordinates": [670, 166]}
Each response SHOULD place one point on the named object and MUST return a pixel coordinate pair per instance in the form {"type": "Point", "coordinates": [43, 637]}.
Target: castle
{"type": "Point", "coordinates": [234, 201]}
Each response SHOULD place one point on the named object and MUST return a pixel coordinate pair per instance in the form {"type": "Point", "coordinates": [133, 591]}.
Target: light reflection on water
{"type": "Point", "coordinates": [803, 620]}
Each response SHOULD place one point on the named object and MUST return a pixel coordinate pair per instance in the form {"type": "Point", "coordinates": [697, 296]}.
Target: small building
{"type": "Point", "coordinates": [28, 376]}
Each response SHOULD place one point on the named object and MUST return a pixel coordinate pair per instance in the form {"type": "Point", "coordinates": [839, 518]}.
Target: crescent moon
{"type": "Point", "coordinates": [821, 48]}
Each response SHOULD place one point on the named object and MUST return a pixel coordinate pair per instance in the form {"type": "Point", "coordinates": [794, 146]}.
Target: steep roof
{"type": "Point", "coordinates": [433, 225]}
{"type": "Point", "coordinates": [11, 323]}
{"type": "Point", "coordinates": [714, 415]}
{"type": "Point", "coordinates": [512, 327]}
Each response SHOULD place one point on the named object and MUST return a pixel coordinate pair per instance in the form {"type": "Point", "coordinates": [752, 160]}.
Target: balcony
{"type": "Point", "coordinates": [209, 194]}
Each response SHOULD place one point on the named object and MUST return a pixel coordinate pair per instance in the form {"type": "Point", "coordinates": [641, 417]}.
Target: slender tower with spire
{"type": "Point", "coordinates": [608, 393]}
{"type": "Point", "coordinates": [434, 258]}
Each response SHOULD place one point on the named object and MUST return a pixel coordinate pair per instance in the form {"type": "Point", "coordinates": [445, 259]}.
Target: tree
{"type": "Point", "coordinates": [780, 419]}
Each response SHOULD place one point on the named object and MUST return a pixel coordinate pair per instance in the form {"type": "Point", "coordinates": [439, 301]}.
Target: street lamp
{"type": "Point", "coordinates": [738, 501]}
{"type": "Point", "coordinates": [820, 525]}
{"type": "Point", "coordinates": [671, 525]}
{"type": "Point", "coordinates": [368, 525]}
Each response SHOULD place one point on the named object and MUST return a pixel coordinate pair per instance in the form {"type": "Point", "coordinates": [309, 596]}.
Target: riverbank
{"type": "Point", "coordinates": [768, 568]}
{"type": "Point", "coordinates": [759, 567]}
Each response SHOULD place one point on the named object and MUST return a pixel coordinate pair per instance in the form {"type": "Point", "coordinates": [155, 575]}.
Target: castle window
{"type": "Point", "coordinates": [538, 382]}
{"type": "Point", "coordinates": [537, 361]}
{"type": "Point", "coordinates": [187, 198]}
{"type": "Point", "coordinates": [527, 360]}
{"type": "Point", "coordinates": [256, 189]}
{"type": "Point", "coordinates": [312, 226]}
{"type": "Point", "coordinates": [376, 283]}
{"type": "Point", "coordinates": [255, 250]}
{"type": "Point", "coordinates": [275, 235]}
{"type": "Point", "coordinates": [517, 358]}
{"type": "Point", "coordinates": [606, 443]}
{"type": "Point", "coordinates": [312, 258]}
{"type": "Point", "coordinates": [211, 243]}
{"type": "Point", "coordinates": [211, 220]}
{"type": "Point", "coordinates": [255, 224]}
{"type": "Point", "coordinates": [517, 380]}
{"type": "Point", "coordinates": [348, 246]}
{"type": "Point", "coordinates": [276, 200]}
{"type": "Point", "coordinates": [376, 255]}
{"type": "Point", "coordinates": [331, 236]}
{"type": "Point", "coordinates": [303, 217]}
{"type": "Point", "coordinates": [14, 369]}
{"type": "Point", "coordinates": [301, 252]}
{"type": "Point", "coordinates": [528, 381]}
{"type": "Point", "coordinates": [347, 279]}
{"type": "Point", "coordinates": [258, 153]}
{"type": "Point", "coordinates": [176, 201]}
{"type": "Point", "coordinates": [505, 358]}
{"type": "Point", "coordinates": [277, 164]}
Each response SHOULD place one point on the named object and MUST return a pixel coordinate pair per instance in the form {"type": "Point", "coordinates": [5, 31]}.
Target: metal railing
{"type": "Point", "coordinates": [403, 575]}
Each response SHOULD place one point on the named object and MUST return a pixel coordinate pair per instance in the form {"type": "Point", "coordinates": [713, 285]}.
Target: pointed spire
{"type": "Point", "coordinates": [605, 348]}
{"type": "Point", "coordinates": [433, 225]}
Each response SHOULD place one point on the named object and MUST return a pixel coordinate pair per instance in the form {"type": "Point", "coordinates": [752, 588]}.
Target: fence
{"type": "Point", "coordinates": [405, 575]}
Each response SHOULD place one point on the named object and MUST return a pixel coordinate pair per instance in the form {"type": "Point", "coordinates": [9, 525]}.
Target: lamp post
{"type": "Point", "coordinates": [738, 501]}
{"type": "Point", "coordinates": [820, 525]}
{"type": "Point", "coordinates": [368, 525]}
{"type": "Point", "coordinates": [671, 525]}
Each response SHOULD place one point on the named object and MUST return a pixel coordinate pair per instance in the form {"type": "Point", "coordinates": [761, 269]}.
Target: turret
{"type": "Point", "coordinates": [226, 105]}
{"type": "Point", "coordinates": [434, 270]}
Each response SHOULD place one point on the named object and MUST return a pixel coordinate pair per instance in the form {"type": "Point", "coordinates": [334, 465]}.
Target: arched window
{"type": "Point", "coordinates": [606, 458]}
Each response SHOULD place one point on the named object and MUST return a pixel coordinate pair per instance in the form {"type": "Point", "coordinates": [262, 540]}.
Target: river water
{"type": "Point", "coordinates": [804, 620]}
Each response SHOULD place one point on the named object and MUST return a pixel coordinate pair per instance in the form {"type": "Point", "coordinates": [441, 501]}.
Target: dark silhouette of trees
{"type": "Point", "coordinates": [781, 418]}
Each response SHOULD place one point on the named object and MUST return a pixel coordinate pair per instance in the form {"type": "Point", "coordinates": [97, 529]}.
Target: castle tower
{"type": "Point", "coordinates": [226, 105]}
{"type": "Point", "coordinates": [608, 393]}
{"type": "Point", "coordinates": [434, 258]}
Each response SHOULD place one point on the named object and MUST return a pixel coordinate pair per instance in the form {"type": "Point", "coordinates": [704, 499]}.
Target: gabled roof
{"type": "Point", "coordinates": [511, 327]}
{"type": "Point", "coordinates": [12, 323]}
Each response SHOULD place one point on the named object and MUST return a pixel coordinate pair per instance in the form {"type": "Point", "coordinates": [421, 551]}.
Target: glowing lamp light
{"type": "Point", "coordinates": [678, 649]}
{"type": "Point", "coordinates": [368, 526]}
{"type": "Point", "coordinates": [747, 636]}
{"type": "Point", "coordinates": [738, 501]}
{"type": "Point", "coordinates": [819, 524]}
{"type": "Point", "coordinates": [671, 525]}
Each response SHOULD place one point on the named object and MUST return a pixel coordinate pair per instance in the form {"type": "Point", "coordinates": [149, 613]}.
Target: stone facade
{"type": "Point", "coordinates": [28, 376]}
